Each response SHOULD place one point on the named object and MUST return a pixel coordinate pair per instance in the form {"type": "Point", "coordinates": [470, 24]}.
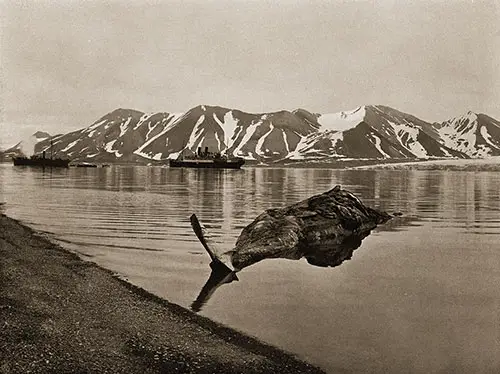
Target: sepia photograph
{"type": "Point", "coordinates": [250, 186]}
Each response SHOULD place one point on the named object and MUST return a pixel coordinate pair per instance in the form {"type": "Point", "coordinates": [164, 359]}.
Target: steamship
{"type": "Point", "coordinates": [41, 161]}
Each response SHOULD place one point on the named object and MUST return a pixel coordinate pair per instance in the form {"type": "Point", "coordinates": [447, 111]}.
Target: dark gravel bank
{"type": "Point", "coordinates": [60, 314]}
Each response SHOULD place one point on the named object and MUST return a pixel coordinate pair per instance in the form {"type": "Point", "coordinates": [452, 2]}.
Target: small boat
{"type": "Point", "coordinates": [85, 165]}
{"type": "Point", "coordinates": [207, 160]}
{"type": "Point", "coordinates": [41, 161]}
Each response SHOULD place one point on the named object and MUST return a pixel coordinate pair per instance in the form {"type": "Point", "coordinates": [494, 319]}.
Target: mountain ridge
{"type": "Point", "coordinates": [369, 131]}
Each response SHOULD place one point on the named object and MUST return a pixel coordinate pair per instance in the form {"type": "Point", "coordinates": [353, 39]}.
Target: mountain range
{"type": "Point", "coordinates": [373, 131]}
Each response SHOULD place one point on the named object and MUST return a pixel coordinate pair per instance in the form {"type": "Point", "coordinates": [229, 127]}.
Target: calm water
{"type": "Point", "coordinates": [420, 295]}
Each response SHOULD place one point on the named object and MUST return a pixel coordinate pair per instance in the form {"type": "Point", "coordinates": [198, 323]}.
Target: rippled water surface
{"type": "Point", "coordinates": [420, 295]}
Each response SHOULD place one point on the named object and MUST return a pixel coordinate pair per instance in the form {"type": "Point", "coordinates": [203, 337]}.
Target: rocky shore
{"type": "Point", "coordinates": [60, 314]}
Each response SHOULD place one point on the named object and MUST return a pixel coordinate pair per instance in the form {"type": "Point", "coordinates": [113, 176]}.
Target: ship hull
{"type": "Point", "coordinates": [41, 162]}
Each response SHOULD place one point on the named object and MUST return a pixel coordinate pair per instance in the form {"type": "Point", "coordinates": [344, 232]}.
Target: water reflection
{"type": "Point", "coordinates": [220, 275]}
{"type": "Point", "coordinates": [324, 229]}
{"type": "Point", "coordinates": [324, 253]}
{"type": "Point", "coordinates": [421, 285]}
{"type": "Point", "coordinates": [157, 201]}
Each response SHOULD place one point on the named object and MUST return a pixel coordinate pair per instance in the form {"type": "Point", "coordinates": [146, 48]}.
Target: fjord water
{"type": "Point", "coordinates": [420, 295]}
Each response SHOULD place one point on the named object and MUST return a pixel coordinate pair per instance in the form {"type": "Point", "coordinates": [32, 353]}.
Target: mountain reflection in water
{"type": "Point", "coordinates": [420, 295]}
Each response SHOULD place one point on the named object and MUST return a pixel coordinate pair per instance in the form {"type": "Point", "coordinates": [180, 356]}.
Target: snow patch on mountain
{"type": "Point", "coordinates": [342, 121]}
{"type": "Point", "coordinates": [41, 136]}
{"type": "Point", "coordinates": [219, 145]}
{"type": "Point", "coordinates": [297, 154]}
{"type": "Point", "coordinates": [460, 134]}
{"type": "Point", "coordinates": [248, 134]}
{"type": "Point", "coordinates": [285, 140]}
{"type": "Point", "coordinates": [408, 137]}
{"type": "Point", "coordinates": [151, 128]}
{"type": "Point", "coordinates": [70, 145]}
{"type": "Point", "coordinates": [377, 144]}
{"type": "Point", "coordinates": [196, 134]}
{"type": "Point", "coordinates": [95, 125]}
{"type": "Point", "coordinates": [124, 126]}
{"type": "Point", "coordinates": [175, 155]}
{"type": "Point", "coordinates": [250, 156]}
{"type": "Point", "coordinates": [487, 137]}
{"type": "Point", "coordinates": [260, 142]}
{"type": "Point", "coordinates": [308, 147]}
{"type": "Point", "coordinates": [109, 148]}
{"type": "Point", "coordinates": [143, 119]}
{"type": "Point", "coordinates": [231, 124]}
{"type": "Point", "coordinates": [228, 126]}
{"type": "Point", "coordinates": [445, 152]}
{"type": "Point", "coordinates": [173, 119]}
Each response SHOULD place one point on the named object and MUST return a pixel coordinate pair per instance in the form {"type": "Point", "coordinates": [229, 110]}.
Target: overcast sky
{"type": "Point", "coordinates": [66, 63]}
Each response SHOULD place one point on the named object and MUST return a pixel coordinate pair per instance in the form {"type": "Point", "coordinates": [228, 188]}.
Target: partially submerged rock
{"type": "Point", "coordinates": [329, 222]}
{"type": "Point", "coordinates": [325, 229]}
{"type": "Point", "coordinates": [322, 228]}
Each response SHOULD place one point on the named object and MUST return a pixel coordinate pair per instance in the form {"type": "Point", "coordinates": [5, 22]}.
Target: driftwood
{"type": "Point", "coordinates": [325, 229]}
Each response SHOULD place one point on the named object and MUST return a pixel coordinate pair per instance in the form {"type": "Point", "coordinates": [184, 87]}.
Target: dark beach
{"type": "Point", "coordinates": [60, 314]}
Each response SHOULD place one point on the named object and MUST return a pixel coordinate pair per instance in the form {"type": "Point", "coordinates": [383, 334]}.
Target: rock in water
{"type": "Point", "coordinates": [325, 229]}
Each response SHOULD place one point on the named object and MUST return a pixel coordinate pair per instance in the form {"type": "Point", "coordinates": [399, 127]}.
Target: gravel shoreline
{"type": "Point", "coordinates": [60, 314]}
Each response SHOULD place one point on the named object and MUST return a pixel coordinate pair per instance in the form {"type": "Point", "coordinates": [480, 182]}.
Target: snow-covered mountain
{"type": "Point", "coordinates": [25, 147]}
{"type": "Point", "coordinates": [231, 132]}
{"type": "Point", "coordinates": [374, 131]}
{"type": "Point", "coordinates": [476, 135]}
{"type": "Point", "coordinates": [127, 135]}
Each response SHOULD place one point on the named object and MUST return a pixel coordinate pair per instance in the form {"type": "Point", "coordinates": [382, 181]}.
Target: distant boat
{"type": "Point", "coordinates": [40, 161]}
{"type": "Point", "coordinates": [86, 165]}
{"type": "Point", "coordinates": [207, 160]}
